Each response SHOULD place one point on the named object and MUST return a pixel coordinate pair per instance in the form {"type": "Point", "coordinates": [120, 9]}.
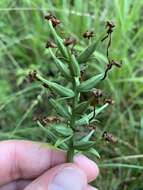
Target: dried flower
{"type": "Point", "coordinates": [109, 137]}
{"type": "Point", "coordinates": [32, 76]}
{"type": "Point", "coordinates": [109, 101]}
{"type": "Point", "coordinates": [70, 41]}
{"type": "Point", "coordinates": [88, 34]}
{"type": "Point", "coordinates": [53, 19]}
{"type": "Point", "coordinates": [51, 44]}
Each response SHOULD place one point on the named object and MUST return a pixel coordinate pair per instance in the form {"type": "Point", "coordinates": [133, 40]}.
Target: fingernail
{"type": "Point", "coordinates": [68, 179]}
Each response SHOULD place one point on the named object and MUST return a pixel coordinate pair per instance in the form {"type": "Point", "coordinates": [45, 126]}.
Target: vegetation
{"type": "Point", "coordinates": [22, 37]}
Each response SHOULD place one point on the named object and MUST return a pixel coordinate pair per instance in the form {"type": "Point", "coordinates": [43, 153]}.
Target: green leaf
{"type": "Point", "coordinates": [60, 109]}
{"type": "Point", "coordinates": [90, 83]}
{"type": "Point", "coordinates": [85, 55]}
{"type": "Point", "coordinates": [86, 118]}
{"type": "Point", "coordinates": [94, 152]}
{"type": "Point", "coordinates": [82, 145]}
{"type": "Point", "coordinates": [99, 110]}
{"type": "Point", "coordinates": [62, 130]}
{"type": "Point", "coordinates": [74, 66]}
{"type": "Point", "coordinates": [82, 107]}
{"type": "Point", "coordinates": [61, 66]}
{"type": "Point", "coordinates": [59, 41]}
{"type": "Point", "coordinates": [59, 89]}
{"type": "Point", "coordinates": [52, 137]}
{"type": "Point", "coordinates": [88, 136]}
{"type": "Point", "coordinates": [62, 141]}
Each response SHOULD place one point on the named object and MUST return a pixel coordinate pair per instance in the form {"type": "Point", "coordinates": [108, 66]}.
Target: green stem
{"type": "Point", "coordinates": [71, 151]}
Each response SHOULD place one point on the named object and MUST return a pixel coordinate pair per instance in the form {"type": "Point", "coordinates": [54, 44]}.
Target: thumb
{"type": "Point", "coordinates": [69, 178]}
{"type": "Point", "coordinates": [63, 177]}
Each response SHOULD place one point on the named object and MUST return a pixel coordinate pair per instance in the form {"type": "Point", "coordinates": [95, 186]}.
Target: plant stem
{"type": "Point", "coordinates": [70, 153]}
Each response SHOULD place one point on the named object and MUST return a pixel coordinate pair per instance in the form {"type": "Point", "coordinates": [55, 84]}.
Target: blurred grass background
{"type": "Point", "coordinates": [23, 33]}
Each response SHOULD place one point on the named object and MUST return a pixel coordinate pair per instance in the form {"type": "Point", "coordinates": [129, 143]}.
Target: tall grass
{"type": "Point", "coordinates": [22, 39]}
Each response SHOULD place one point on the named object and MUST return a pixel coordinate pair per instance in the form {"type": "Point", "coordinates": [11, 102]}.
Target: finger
{"type": "Point", "coordinates": [26, 160]}
{"type": "Point", "coordinates": [91, 188]}
{"type": "Point", "coordinates": [88, 166]}
{"type": "Point", "coordinates": [16, 185]}
{"type": "Point", "coordinates": [67, 176]}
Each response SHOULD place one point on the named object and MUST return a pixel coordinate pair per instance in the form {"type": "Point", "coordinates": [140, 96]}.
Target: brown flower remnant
{"type": "Point", "coordinates": [109, 137]}
{"type": "Point", "coordinates": [109, 101]}
{"type": "Point", "coordinates": [88, 34]}
{"type": "Point", "coordinates": [32, 76]}
{"type": "Point", "coordinates": [53, 19]}
{"type": "Point", "coordinates": [69, 41]}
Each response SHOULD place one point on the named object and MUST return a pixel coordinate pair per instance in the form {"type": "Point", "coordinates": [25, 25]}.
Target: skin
{"type": "Point", "coordinates": [27, 165]}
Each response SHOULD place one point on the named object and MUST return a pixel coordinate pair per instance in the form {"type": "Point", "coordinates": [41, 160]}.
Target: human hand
{"type": "Point", "coordinates": [26, 165]}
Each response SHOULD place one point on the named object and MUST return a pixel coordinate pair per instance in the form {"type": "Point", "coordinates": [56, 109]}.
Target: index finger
{"type": "Point", "coordinates": [26, 159]}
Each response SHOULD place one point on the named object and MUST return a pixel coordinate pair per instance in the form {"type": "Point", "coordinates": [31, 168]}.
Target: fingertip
{"type": "Point", "coordinates": [88, 166]}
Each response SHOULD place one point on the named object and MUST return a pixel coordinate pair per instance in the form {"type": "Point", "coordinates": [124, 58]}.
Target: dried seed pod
{"type": "Point", "coordinates": [88, 34]}
{"type": "Point", "coordinates": [70, 41]}
{"type": "Point", "coordinates": [51, 44]}
{"type": "Point", "coordinates": [53, 19]}
{"type": "Point", "coordinates": [32, 76]}
{"type": "Point", "coordinates": [109, 137]}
